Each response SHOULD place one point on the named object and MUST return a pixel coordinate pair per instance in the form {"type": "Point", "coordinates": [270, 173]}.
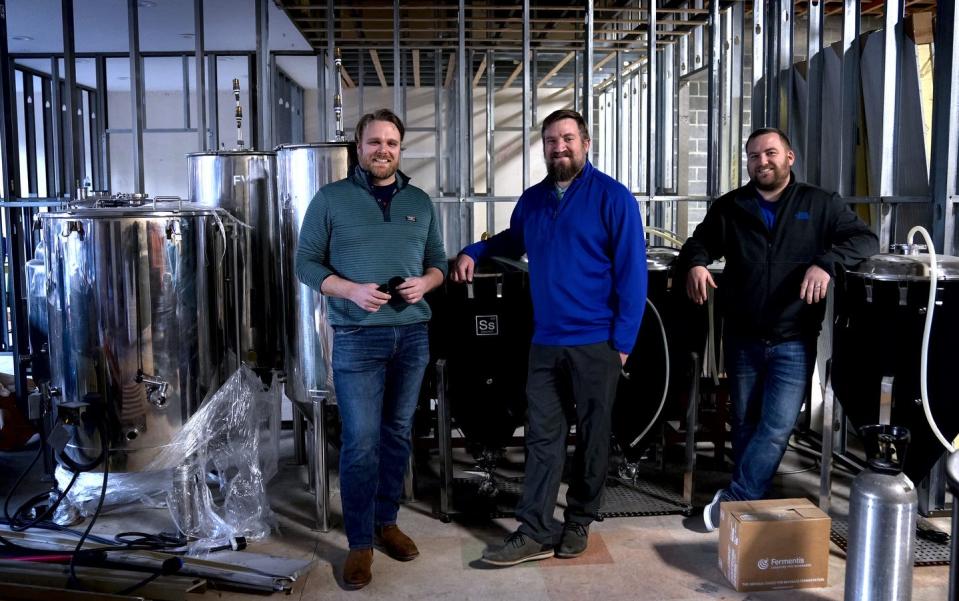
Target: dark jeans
{"type": "Point", "coordinates": [585, 376]}
{"type": "Point", "coordinates": [768, 385]}
{"type": "Point", "coordinates": [377, 373]}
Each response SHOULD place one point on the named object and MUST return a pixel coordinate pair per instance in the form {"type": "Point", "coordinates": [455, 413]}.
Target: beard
{"type": "Point", "coordinates": [780, 175]}
{"type": "Point", "coordinates": [378, 170]}
{"type": "Point", "coordinates": [563, 172]}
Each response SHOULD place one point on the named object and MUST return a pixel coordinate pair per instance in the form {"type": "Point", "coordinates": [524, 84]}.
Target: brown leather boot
{"type": "Point", "coordinates": [396, 544]}
{"type": "Point", "coordinates": [356, 570]}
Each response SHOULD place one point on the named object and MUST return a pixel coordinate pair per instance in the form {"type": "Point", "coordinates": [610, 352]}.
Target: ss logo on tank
{"type": "Point", "coordinates": [487, 325]}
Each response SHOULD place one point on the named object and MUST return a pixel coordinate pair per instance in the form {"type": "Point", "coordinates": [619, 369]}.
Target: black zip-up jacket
{"type": "Point", "coordinates": [758, 291]}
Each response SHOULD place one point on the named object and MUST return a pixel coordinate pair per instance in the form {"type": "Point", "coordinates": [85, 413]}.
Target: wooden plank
{"type": "Point", "coordinates": [449, 71]}
{"type": "Point", "coordinates": [552, 72]}
{"type": "Point", "coordinates": [479, 71]}
{"type": "Point", "coordinates": [512, 76]}
{"type": "Point", "coordinates": [378, 67]}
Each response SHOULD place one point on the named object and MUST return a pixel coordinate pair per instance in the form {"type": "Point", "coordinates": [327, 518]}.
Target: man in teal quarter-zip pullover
{"type": "Point", "coordinates": [371, 243]}
{"type": "Point", "coordinates": [583, 235]}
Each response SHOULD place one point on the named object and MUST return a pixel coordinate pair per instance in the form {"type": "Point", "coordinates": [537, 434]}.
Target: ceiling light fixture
{"type": "Point", "coordinates": [187, 35]}
{"type": "Point", "coordinates": [146, 4]}
{"type": "Point", "coordinates": [22, 38]}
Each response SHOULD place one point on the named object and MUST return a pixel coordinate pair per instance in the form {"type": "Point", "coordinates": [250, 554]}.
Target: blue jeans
{"type": "Point", "coordinates": [377, 374]}
{"type": "Point", "coordinates": [768, 385]}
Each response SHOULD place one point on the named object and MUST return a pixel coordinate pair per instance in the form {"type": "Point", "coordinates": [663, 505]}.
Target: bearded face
{"type": "Point", "coordinates": [564, 150]}
{"type": "Point", "coordinates": [768, 162]}
{"type": "Point", "coordinates": [379, 151]}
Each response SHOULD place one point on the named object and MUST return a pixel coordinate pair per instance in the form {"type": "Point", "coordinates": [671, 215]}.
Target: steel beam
{"type": "Point", "coordinates": [758, 68]}
{"type": "Point", "coordinates": [198, 37]}
{"type": "Point", "coordinates": [737, 17]}
{"type": "Point", "coordinates": [713, 147]}
{"type": "Point", "coordinates": [652, 114]}
{"type": "Point", "coordinates": [944, 172]}
{"type": "Point", "coordinates": [618, 134]}
{"type": "Point", "coordinates": [397, 62]}
{"type": "Point", "coordinates": [891, 89]}
{"type": "Point", "coordinates": [812, 153]}
{"type": "Point", "coordinates": [587, 98]}
{"type": "Point", "coordinates": [264, 78]}
{"type": "Point", "coordinates": [850, 87]}
{"type": "Point", "coordinates": [527, 117]}
{"type": "Point", "coordinates": [137, 112]}
{"type": "Point", "coordinates": [462, 107]}
{"type": "Point", "coordinates": [69, 122]}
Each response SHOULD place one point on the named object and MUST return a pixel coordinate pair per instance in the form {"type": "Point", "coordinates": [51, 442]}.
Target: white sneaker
{"type": "Point", "coordinates": [711, 512]}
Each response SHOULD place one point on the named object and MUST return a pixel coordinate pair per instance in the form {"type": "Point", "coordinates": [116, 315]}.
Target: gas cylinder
{"type": "Point", "coordinates": [882, 520]}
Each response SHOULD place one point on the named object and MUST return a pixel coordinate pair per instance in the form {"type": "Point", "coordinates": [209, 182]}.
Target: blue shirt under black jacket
{"type": "Point", "coordinates": [587, 260]}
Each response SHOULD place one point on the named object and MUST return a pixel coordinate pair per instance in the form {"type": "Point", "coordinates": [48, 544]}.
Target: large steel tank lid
{"type": "Point", "coordinates": [311, 145]}
{"type": "Point", "coordinates": [660, 258]}
{"type": "Point", "coordinates": [242, 153]}
{"type": "Point", "coordinates": [906, 267]}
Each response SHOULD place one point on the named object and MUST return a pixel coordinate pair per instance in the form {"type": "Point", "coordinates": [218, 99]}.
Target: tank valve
{"type": "Point", "coordinates": [155, 387]}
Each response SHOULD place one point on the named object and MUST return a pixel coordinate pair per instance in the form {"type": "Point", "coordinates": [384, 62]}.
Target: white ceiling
{"type": "Point", "coordinates": [165, 26]}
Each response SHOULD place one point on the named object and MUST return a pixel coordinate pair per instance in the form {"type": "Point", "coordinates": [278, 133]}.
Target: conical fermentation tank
{"type": "Point", "coordinates": [244, 183]}
{"type": "Point", "coordinates": [881, 310]}
{"type": "Point", "coordinates": [136, 324]}
{"type": "Point", "coordinates": [302, 170]}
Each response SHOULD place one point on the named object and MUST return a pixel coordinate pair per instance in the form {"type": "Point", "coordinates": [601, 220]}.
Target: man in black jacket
{"type": "Point", "coordinates": [783, 242]}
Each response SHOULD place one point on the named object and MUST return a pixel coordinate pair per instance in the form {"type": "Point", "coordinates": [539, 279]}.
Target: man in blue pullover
{"type": "Point", "coordinates": [371, 243]}
{"type": "Point", "coordinates": [583, 235]}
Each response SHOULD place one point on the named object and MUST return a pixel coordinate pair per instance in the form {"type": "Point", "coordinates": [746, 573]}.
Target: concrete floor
{"type": "Point", "coordinates": [665, 557]}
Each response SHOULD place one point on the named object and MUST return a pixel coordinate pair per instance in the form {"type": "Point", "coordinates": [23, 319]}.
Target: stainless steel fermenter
{"type": "Point", "coordinates": [136, 323]}
{"type": "Point", "coordinates": [244, 183]}
{"type": "Point", "coordinates": [304, 169]}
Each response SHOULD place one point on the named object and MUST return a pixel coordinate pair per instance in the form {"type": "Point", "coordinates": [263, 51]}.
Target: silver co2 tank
{"type": "Point", "coordinates": [882, 520]}
{"type": "Point", "coordinates": [244, 183]}
{"type": "Point", "coordinates": [136, 323]}
{"type": "Point", "coordinates": [304, 169]}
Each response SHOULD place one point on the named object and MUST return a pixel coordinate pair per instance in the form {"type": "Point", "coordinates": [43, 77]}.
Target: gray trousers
{"type": "Point", "coordinates": [581, 379]}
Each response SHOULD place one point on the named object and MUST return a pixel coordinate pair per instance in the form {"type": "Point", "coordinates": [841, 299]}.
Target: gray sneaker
{"type": "Point", "coordinates": [711, 512]}
{"type": "Point", "coordinates": [574, 540]}
{"type": "Point", "coordinates": [517, 549]}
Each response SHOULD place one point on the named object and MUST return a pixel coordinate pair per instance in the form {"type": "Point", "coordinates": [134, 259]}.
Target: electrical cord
{"type": "Point", "coordinates": [73, 581]}
{"type": "Point", "coordinates": [168, 567]}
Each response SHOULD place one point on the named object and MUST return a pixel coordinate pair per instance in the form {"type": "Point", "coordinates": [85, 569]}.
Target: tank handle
{"type": "Point", "coordinates": [71, 226]}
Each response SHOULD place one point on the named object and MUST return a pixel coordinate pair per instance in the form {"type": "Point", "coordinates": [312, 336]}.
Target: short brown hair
{"type": "Point", "coordinates": [566, 114]}
{"type": "Point", "coordinates": [762, 131]}
{"type": "Point", "coordinates": [379, 115]}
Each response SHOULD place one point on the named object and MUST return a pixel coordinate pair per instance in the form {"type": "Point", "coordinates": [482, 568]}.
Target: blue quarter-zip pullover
{"type": "Point", "coordinates": [587, 260]}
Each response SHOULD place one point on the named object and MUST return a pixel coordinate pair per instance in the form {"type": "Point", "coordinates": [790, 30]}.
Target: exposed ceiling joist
{"type": "Point", "coordinates": [379, 68]}
{"type": "Point", "coordinates": [552, 72]}
{"type": "Point", "coordinates": [479, 72]}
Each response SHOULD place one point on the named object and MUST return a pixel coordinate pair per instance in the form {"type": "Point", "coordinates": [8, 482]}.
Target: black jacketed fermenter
{"type": "Point", "coordinates": [880, 314]}
{"type": "Point", "coordinates": [483, 331]}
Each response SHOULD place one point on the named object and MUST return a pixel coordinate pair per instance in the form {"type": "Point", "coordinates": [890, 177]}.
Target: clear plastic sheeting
{"type": "Point", "coordinates": [213, 473]}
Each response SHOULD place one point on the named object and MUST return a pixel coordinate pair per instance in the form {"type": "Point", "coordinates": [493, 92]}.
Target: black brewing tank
{"type": "Point", "coordinates": [639, 393]}
{"type": "Point", "coordinates": [483, 331]}
{"type": "Point", "coordinates": [880, 315]}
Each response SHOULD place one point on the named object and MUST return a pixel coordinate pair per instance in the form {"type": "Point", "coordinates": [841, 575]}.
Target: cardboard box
{"type": "Point", "coordinates": [774, 544]}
